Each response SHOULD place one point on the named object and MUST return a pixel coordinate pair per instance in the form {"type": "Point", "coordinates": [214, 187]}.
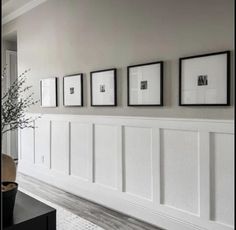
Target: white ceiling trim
{"type": "Point", "coordinates": [27, 7]}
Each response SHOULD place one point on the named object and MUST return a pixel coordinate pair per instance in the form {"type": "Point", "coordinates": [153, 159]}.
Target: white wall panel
{"type": "Point", "coordinates": [42, 143]}
{"type": "Point", "coordinates": [137, 158]}
{"type": "Point", "coordinates": [60, 146]}
{"type": "Point", "coordinates": [106, 155]}
{"type": "Point", "coordinates": [174, 173]}
{"type": "Point", "coordinates": [222, 177]}
{"type": "Point", "coordinates": [79, 148]}
{"type": "Point", "coordinates": [179, 169]}
{"type": "Point", "coordinates": [27, 145]}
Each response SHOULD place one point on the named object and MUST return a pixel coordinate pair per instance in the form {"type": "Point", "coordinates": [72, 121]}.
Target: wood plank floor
{"type": "Point", "coordinates": [97, 214]}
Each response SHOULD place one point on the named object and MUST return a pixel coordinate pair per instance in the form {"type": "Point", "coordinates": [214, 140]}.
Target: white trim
{"type": "Point", "coordinates": [204, 174]}
{"type": "Point", "coordinates": [164, 119]}
{"type": "Point", "coordinates": [22, 10]}
{"type": "Point", "coordinates": [120, 159]}
{"type": "Point", "coordinates": [156, 175]}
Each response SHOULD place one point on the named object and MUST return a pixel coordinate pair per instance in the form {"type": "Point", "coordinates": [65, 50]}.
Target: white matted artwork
{"type": "Point", "coordinates": [103, 87]}
{"type": "Point", "coordinates": [48, 92]}
{"type": "Point", "coordinates": [145, 84]}
{"type": "Point", "coordinates": [204, 79]}
{"type": "Point", "coordinates": [73, 90]}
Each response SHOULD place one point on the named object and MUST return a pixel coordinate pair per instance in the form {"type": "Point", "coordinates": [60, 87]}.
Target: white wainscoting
{"type": "Point", "coordinates": [174, 173]}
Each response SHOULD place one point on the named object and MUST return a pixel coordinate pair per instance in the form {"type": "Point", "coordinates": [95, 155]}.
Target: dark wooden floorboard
{"type": "Point", "coordinates": [97, 214]}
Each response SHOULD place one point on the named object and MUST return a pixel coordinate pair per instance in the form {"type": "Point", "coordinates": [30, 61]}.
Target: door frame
{"type": "Point", "coordinates": [8, 83]}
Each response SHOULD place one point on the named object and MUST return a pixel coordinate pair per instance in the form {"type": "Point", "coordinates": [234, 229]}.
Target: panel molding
{"type": "Point", "coordinates": [204, 174]}
{"type": "Point", "coordinates": [80, 142]}
{"type": "Point", "coordinates": [120, 169]}
{"type": "Point", "coordinates": [106, 155]}
{"type": "Point", "coordinates": [91, 155]}
{"type": "Point", "coordinates": [60, 150]}
{"type": "Point", "coordinates": [69, 151]}
{"type": "Point", "coordinates": [156, 173]}
{"type": "Point", "coordinates": [42, 143]}
{"type": "Point", "coordinates": [179, 170]}
{"type": "Point", "coordinates": [221, 178]}
{"type": "Point", "coordinates": [151, 210]}
{"type": "Point", "coordinates": [138, 162]}
{"type": "Point", "coordinates": [50, 163]}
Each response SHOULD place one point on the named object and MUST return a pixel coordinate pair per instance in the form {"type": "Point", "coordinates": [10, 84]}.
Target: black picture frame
{"type": "Point", "coordinates": [56, 92]}
{"type": "Point", "coordinates": [227, 79]}
{"type": "Point", "coordinates": [115, 88]}
{"type": "Point", "coordinates": [81, 90]}
{"type": "Point", "coordinates": [161, 83]}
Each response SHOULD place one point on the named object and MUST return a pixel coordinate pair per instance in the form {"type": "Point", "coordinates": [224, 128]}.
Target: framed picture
{"type": "Point", "coordinates": [145, 84]}
{"type": "Point", "coordinates": [103, 87]}
{"type": "Point", "coordinates": [73, 90]}
{"type": "Point", "coordinates": [48, 92]}
{"type": "Point", "coordinates": [204, 80]}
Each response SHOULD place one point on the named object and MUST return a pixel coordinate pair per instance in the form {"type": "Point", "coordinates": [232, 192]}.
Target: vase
{"type": "Point", "coordinates": [8, 202]}
{"type": "Point", "coordinates": [8, 168]}
{"type": "Point", "coordinates": [9, 188]}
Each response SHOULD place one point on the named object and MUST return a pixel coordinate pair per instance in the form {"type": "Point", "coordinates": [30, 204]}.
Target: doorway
{"type": "Point", "coordinates": [9, 55]}
{"type": "Point", "coordinates": [12, 136]}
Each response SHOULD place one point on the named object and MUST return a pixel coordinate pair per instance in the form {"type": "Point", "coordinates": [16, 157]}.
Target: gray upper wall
{"type": "Point", "coordinates": [64, 37]}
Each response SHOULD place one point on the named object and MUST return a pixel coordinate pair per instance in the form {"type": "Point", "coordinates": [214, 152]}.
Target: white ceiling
{"type": "Point", "coordinates": [9, 6]}
{"type": "Point", "coordinates": [12, 9]}
{"type": "Point", "coordinates": [5, 1]}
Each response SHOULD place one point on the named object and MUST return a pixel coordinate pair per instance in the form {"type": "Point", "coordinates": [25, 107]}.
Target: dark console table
{"type": "Point", "coordinates": [31, 214]}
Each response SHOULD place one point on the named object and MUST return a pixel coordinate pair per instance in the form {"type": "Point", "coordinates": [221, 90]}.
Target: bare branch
{"type": "Point", "coordinates": [15, 102]}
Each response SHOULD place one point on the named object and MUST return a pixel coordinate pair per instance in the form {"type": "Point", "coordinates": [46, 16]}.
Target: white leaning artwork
{"type": "Point", "coordinates": [48, 91]}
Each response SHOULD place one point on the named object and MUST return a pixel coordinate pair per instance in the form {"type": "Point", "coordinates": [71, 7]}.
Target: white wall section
{"type": "Point", "coordinates": [137, 155]}
{"type": "Point", "coordinates": [179, 169]}
{"type": "Point", "coordinates": [222, 181]}
{"type": "Point", "coordinates": [174, 173]}
{"type": "Point", "coordinates": [79, 150]}
{"type": "Point", "coordinates": [60, 146]}
{"type": "Point", "coordinates": [105, 155]}
{"type": "Point", "coordinates": [42, 143]}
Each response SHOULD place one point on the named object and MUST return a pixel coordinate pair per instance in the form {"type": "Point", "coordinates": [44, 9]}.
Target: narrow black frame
{"type": "Point", "coordinates": [115, 85]}
{"type": "Point", "coordinates": [161, 83]}
{"type": "Point", "coordinates": [56, 92]}
{"type": "Point", "coordinates": [227, 78]}
{"type": "Point", "coordinates": [81, 90]}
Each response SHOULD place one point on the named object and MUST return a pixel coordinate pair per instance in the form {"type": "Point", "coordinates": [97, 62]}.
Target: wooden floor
{"type": "Point", "coordinates": [97, 214]}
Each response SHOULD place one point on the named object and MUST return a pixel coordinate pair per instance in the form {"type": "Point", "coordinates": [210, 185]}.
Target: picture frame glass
{"type": "Point", "coordinates": [48, 92]}
{"type": "Point", "coordinates": [72, 88]}
{"type": "Point", "coordinates": [103, 87]}
{"type": "Point", "coordinates": [145, 84]}
{"type": "Point", "coordinates": [204, 80]}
